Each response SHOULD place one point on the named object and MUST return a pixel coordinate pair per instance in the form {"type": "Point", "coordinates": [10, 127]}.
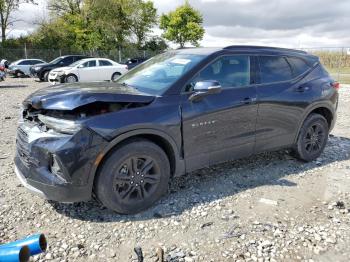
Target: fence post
{"type": "Point", "coordinates": [120, 55]}
{"type": "Point", "coordinates": [339, 64]}
{"type": "Point", "coordinates": [25, 51]}
{"type": "Point", "coordinates": [144, 53]}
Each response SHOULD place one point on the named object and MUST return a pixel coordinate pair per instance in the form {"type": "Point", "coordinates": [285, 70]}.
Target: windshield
{"type": "Point", "coordinates": [76, 63]}
{"type": "Point", "coordinates": [160, 72]}
{"type": "Point", "coordinates": [56, 60]}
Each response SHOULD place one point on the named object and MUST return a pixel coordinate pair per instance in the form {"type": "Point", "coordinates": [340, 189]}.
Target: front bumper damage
{"type": "Point", "coordinates": [56, 78]}
{"type": "Point", "coordinates": [57, 166]}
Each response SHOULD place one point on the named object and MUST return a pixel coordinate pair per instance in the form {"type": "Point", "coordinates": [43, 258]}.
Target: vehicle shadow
{"type": "Point", "coordinates": [210, 184]}
{"type": "Point", "coordinates": [11, 86]}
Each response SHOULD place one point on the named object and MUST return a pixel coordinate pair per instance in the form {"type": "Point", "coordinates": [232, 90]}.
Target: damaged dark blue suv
{"type": "Point", "coordinates": [175, 113]}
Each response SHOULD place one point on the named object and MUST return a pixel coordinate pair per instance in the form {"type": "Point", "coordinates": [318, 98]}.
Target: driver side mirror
{"type": "Point", "coordinates": [204, 88]}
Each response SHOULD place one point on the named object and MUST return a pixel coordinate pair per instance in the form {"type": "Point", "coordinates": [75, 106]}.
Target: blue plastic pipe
{"type": "Point", "coordinates": [14, 253]}
{"type": "Point", "coordinates": [36, 244]}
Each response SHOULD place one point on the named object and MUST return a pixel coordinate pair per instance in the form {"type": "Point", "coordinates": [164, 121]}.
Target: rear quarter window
{"type": "Point", "coordinates": [274, 69]}
{"type": "Point", "coordinates": [299, 65]}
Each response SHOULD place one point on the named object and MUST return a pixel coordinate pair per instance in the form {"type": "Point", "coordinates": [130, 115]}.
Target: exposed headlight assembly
{"type": "Point", "coordinates": [60, 125]}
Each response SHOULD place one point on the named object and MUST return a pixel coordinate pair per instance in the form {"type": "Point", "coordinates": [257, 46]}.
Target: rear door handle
{"type": "Point", "coordinates": [302, 89]}
{"type": "Point", "coordinates": [248, 100]}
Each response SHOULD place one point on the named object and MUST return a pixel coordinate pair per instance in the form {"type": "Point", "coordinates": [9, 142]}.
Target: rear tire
{"type": "Point", "coordinates": [115, 76]}
{"type": "Point", "coordinates": [133, 177]}
{"type": "Point", "coordinates": [312, 138]}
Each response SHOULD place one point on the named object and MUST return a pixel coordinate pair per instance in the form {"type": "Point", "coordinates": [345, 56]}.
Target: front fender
{"type": "Point", "coordinates": [179, 162]}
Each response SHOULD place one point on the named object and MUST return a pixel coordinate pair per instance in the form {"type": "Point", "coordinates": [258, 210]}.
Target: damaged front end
{"type": "Point", "coordinates": [55, 150]}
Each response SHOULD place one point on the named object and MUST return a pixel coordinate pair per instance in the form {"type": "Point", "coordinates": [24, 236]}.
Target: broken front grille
{"type": "Point", "coordinates": [23, 150]}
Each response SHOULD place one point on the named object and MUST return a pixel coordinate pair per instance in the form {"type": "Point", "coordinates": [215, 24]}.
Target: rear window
{"type": "Point", "coordinates": [274, 69]}
{"type": "Point", "coordinates": [299, 65]}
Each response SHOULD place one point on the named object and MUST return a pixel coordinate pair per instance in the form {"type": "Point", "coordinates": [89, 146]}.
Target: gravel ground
{"type": "Point", "coordinates": [268, 207]}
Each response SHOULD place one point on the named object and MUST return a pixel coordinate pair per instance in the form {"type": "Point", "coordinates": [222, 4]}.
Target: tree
{"type": "Point", "coordinates": [111, 20]}
{"type": "Point", "coordinates": [142, 20]}
{"type": "Point", "coordinates": [183, 25]}
{"type": "Point", "coordinates": [156, 44]}
{"type": "Point", "coordinates": [7, 7]}
{"type": "Point", "coordinates": [62, 7]}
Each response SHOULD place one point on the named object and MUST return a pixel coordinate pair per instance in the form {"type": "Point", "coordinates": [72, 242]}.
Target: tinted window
{"type": "Point", "coordinates": [299, 65]}
{"type": "Point", "coordinates": [105, 63]}
{"type": "Point", "coordinates": [90, 64]}
{"type": "Point", "coordinates": [34, 62]}
{"type": "Point", "coordinates": [274, 69]}
{"type": "Point", "coordinates": [230, 71]}
{"type": "Point", "coordinates": [25, 62]}
{"type": "Point", "coordinates": [68, 60]}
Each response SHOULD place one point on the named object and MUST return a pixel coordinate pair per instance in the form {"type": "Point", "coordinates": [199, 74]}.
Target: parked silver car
{"type": "Point", "coordinates": [21, 67]}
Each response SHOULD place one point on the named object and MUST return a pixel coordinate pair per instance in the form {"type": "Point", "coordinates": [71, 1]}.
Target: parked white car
{"type": "Point", "coordinates": [22, 67]}
{"type": "Point", "coordinates": [88, 70]}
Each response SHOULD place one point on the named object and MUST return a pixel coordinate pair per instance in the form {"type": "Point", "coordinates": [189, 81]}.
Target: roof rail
{"type": "Point", "coordinates": [264, 48]}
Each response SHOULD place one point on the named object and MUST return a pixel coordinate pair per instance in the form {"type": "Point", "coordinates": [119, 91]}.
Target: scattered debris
{"type": "Point", "coordinates": [138, 251]}
{"type": "Point", "coordinates": [208, 224]}
{"type": "Point", "coordinates": [268, 201]}
{"type": "Point", "coordinates": [160, 254]}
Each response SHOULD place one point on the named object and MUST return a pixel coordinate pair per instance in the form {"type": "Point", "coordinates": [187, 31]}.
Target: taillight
{"type": "Point", "coordinates": [336, 85]}
{"type": "Point", "coordinates": [2, 68]}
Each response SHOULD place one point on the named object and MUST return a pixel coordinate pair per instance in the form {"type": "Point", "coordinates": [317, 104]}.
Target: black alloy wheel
{"type": "Point", "coordinates": [133, 177]}
{"type": "Point", "coordinates": [312, 139]}
{"type": "Point", "coordinates": [136, 179]}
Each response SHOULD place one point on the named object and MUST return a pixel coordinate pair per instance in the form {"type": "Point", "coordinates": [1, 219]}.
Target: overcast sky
{"type": "Point", "coordinates": [286, 23]}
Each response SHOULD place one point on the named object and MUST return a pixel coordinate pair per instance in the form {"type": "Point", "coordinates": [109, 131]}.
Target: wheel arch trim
{"type": "Point", "coordinates": [179, 162]}
{"type": "Point", "coordinates": [311, 108]}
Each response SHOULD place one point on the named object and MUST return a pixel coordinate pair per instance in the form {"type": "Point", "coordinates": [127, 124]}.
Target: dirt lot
{"type": "Point", "coordinates": [269, 207]}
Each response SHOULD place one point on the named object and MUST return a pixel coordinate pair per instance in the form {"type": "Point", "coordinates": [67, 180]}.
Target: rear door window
{"type": "Point", "coordinates": [274, 69]}
{"type": "Point", "coordinates": [299, 65]}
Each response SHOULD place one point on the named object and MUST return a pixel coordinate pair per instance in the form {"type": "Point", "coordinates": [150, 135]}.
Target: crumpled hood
{"type": "Point", "coordinates": [71, 96]}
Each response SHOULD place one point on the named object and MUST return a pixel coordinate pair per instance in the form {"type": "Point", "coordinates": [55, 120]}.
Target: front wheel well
{"type": "Point", "coordinates": [156, 139]}
{"type": "Point", "coordinates": [325, 112]}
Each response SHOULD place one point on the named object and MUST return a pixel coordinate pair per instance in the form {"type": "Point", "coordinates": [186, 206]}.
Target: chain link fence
{"type": "Point", "coordinates": [335, 59]}
{"type": "Point", "coordinates": [118, 55]}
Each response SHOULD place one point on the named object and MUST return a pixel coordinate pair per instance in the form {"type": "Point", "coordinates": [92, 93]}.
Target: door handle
{"type": "Point", "coordinates": [302, 89]}
{"type": "Point", "coordinates": [248, 100]}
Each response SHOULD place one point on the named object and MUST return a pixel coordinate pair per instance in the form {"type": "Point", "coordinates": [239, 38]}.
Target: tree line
{"type": "Point", "coordinates": [82, 25]}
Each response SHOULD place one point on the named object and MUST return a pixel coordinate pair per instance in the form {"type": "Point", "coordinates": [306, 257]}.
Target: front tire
{"type": "Point", "coordinates": [46, 76]}
{"type": "Point", "coordinates": [312, 138]}
{"type": "Point", "coordinates": [71, 78]}
{"type": "Point", "coordinates": [133, 177]}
